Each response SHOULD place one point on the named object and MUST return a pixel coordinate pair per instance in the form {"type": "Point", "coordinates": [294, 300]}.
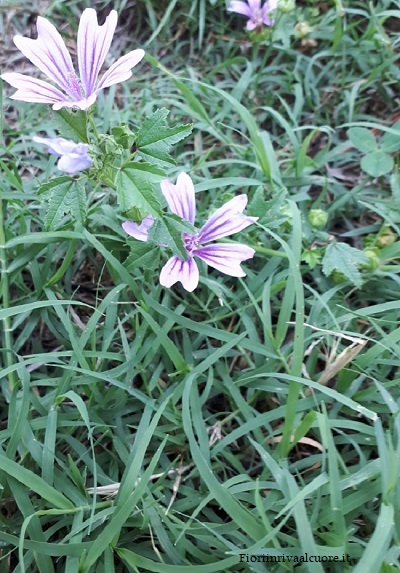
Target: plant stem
{"type": "Point", "coordinates": [5, 296]}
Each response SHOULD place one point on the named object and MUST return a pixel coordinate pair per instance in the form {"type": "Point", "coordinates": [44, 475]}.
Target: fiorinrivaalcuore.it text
{"type": "Point", "coordinates": [305, 558]}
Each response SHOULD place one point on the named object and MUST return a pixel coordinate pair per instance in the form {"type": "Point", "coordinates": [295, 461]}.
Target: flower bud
{"type": "Point", "coordinates": [303, 29]}
{"type": "Point", "coordinates": [318, 217]}
{"type": "Point", "coordinates": [373, 259]}
{"type": "Point", "coordinates": [386, 237]}
{"type": "Point", "coordinates": [286, 6]}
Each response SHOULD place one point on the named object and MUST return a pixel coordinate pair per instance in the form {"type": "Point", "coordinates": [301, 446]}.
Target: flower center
{"type": "Point", "coordinates": [74, 85]}
{"type": "Point", "coordinates": [257, 18]}
{"type": "Point", "coordinates": [191, 242]}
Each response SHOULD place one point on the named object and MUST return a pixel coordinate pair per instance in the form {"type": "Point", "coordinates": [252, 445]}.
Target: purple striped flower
{"type": "Point", "coordinates": [49, 53]}
{"type": "Point", "coordinates": [73, 156]}
{"type": "Point", "coordinates": [228, 219]}
{"type": "Point", "coordinates": [257, 15]}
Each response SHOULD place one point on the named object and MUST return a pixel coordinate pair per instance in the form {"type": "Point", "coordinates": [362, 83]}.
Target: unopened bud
{"type": "Point", "coordinates": [303, 29]}
{"type": "Point", "coordinates": [318, 217]}
{"type": "Point", "coordinates": [286, 6]}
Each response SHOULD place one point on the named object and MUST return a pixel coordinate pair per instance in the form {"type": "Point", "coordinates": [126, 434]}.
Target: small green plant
{"type": "Point", "coordinates": [377, 160]}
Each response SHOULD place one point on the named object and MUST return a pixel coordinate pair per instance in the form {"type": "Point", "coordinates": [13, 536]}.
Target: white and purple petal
{"type": "Point", "coordinates": [139, 231]}
{"type": "Point", "coordinates": [266, 10]}
{"type": "Point", "coordinates": [226, 220]}
{"type": "Point", "coordinates": [176, 270]}
{"type": "Point", "coordinates": [271, 5]}
{"type": "Point", "coordinates": [180, 197]}
{"type": "Point", "coordinates": [120, 71]}
{"type": "Point", "coordinates": [49, 53]}
{"type": "Point", "coordinates": [254, 5]}
{"type": "Point", "coordinates": [240, 8]}
{"type": "Point", "coordinates": [82, 104]}
{"type": "Point", "coordinates": [93, 44]}
{"type": "Point", "coordinates": [57, 145]}
{"type": "Point", "coordinates": [251, 25]}
{"type": "Point", "coordinates": [33, 90]}
{"type": "Point", "coordinates": [73, 156]}
{"type": "Point", "coordinates": [74, 162]}
{"type": "Point", "coordinates": [226, 258]}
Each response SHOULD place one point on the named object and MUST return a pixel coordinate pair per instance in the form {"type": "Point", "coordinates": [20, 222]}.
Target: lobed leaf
{"type": "Point", "coordinates": [155, 138]}
{"type": "Point", "coordinates": [135, 184]}
{"type": "Point", "coordinates": [346, 259]}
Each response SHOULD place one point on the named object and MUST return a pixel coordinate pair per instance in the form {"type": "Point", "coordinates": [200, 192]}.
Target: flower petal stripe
{"type": "Point", "coordinates": [240, 8]}
{"type": "Point", "coordinates": [49, 53]}
{"type": "Point", "coordinates": [226, 220]}
{"type": "Point", "coordinates": [180, 197]}
{"type": "Point", "coordinates": [176, 270]}
{"type": "Point", "coordinates": [33, 90]}
{"type": "Point", "coordinates": [93, 44]}
{"type": "Point", "coordinates": [225, 257]}
{"type": "Point", "coordinates": [121, 70]}
{"type": "Point", "coordinates": [139, 232]}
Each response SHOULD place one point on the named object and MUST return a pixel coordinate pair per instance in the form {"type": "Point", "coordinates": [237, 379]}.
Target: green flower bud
{"type": "Point", "coordinates": [318, 217]}
{"type": "Point", "coordinates": [286, 6]}
{"type": "Point", "coordinates": [386, 237]}
{"type": "Point", "coordinates": [303, 29]}
{"type": "Point", "coordinates": [373, 259]}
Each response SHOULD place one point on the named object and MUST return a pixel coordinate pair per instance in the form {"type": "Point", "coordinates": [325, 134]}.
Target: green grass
{"type": "Point", "coordinates": [232, 417]}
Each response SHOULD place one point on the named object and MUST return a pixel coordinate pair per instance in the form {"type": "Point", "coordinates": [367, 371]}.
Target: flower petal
{"type": "Point", "coordinates": [251, 25]}
{"type": "Point", "coordinates": [83, 104]}
{"type": "Point", "coordinates": [226, 258]}
{"type": "Point", "coordinates": [57, 145]}
{"type": "Point", "coordinates": [177, 270]}
{"type": "Point", "coordinates": [92, 45]}
{"type": "Point", "coordinates": [226, 220]}
{"type": "Point", "coordinates": [139, 232]}
{"type": "Point", "coordinates": [49, 53]}
{"type": "Point", "coordinates": [180, 197]}
{"type": "Point", "coordinates": [255, 6]}
{"type": "Point", "coordinates": [74, 162]}
{"type": "Point", "coordinates": [120, 70]}
{"type": "Point", "coordinates": [240, 8]}
{"type": "Point", "coordinates": [33, 90]}
{"type": "Point", "coordinates": [271, 5]}
{"type": "Point", "coordinates": [74, 156]}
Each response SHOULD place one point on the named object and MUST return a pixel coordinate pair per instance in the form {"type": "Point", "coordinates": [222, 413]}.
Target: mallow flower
{"type": "Point", "coordinates": [257, 15]}
{"type": "Point", "coordinates": [49, 53]}
{"type": "Point", "coordinates": [73, 156]}
{"type": "Point", "coordinates": [228, 219]}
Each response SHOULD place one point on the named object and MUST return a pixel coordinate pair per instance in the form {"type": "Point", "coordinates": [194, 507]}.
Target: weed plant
{"type": "Point", "coordinates": [254, 422]}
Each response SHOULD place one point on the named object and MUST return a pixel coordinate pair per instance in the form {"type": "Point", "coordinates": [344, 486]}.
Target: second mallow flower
{"type": "Point", "coordinates": [73, 156]}
{"type": "Point", "coordinates": [258, 15]}
{"type": "Point", "coordinates": [227, 220]}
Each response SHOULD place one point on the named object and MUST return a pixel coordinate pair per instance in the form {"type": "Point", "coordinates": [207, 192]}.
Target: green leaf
{"type": "Point", "coordinates": [312, 257]}
{"type": "Point", "coordinates": [47, 188]}
{"type": "Point", "coordinates": [143, 256]}
{"type": "Point", "coordinates": [346, 259]}
{"type": "Point", "coordinates": [168, 232]}
{"type": "Point", "coordinates": [155, 138]}
{"type": "Point", "coordinates": [362, 139]}
{"type": "Point", "coordinates": [391, 142]}
{"type": "Point", "coordinates": [34, 482]}
{"type": "Point", "coordinates": [377, 163]}
{"type": "Point", "coordinates": [135, 184]}
{"type": "Point", "coordinates": [259, 206]}
{"type": "Point", "coordinates": [72, 124]}
{"type": "Point", "coordinates": [386, 568]}
{"type": "Point", "coordinates": [65, 195]}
